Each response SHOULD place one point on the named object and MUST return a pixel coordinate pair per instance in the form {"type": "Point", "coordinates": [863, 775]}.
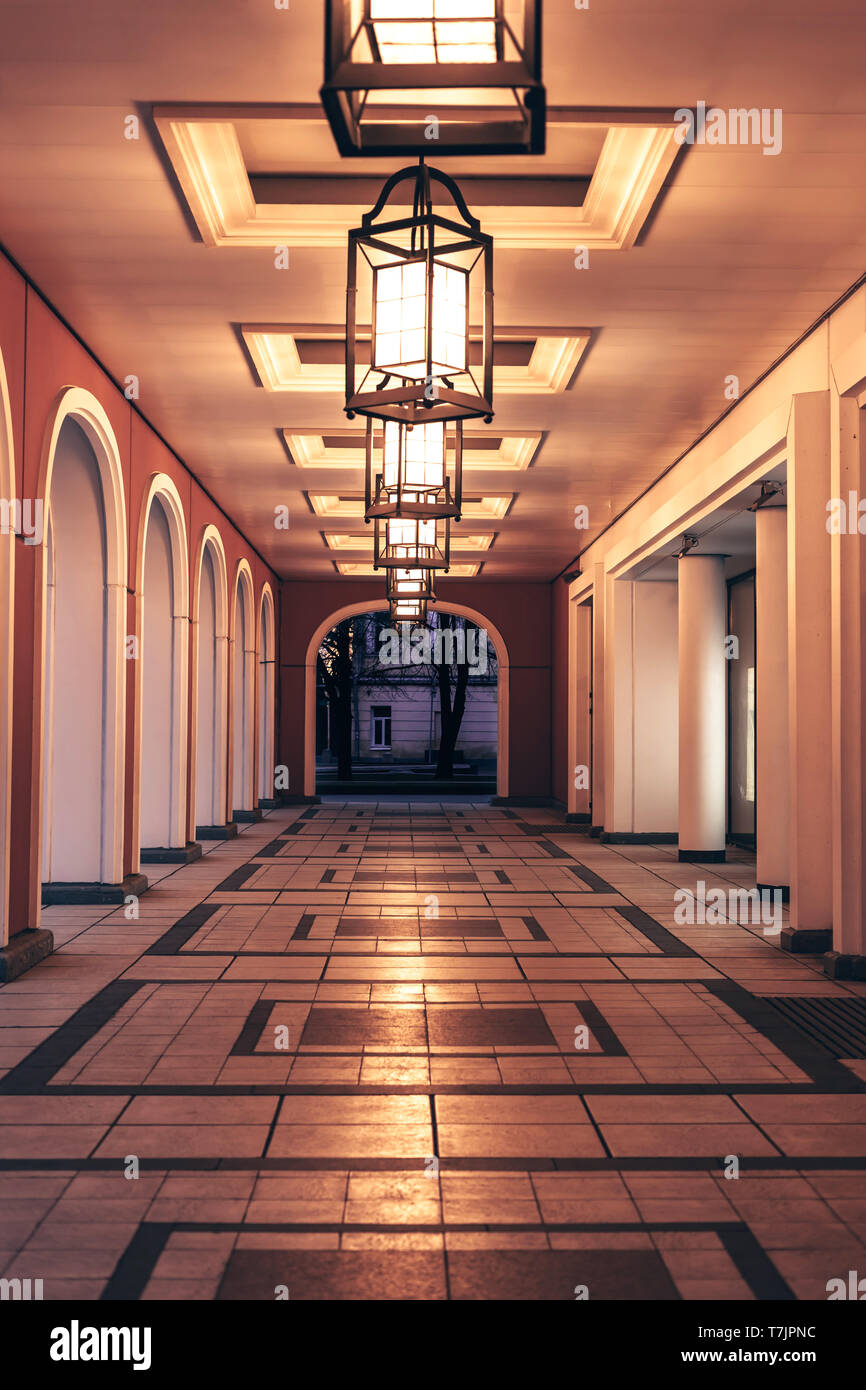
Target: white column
{"type": "Point", "coordinates": [771, 718]}
{"type": "Point", "coordinates": [579, 718]}
{"type": "Point", "coordinates": [618, 707]}
{"type": "Point", "coordinates": [702, 707]}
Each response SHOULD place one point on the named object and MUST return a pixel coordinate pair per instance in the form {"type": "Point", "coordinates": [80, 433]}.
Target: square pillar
{"type": "Point", "coordinates": [809, 685]}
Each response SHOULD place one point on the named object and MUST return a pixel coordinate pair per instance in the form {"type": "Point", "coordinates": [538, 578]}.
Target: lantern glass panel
{"type": "Point", "coordinates": [435, 31]}
{"type": "Point", "coordinates": [410, 539]}
{"type": "Point", "coordinates": [424, 455]}
{"type": "Point", "coordinates": [400, 318]}
{"type": "Point", "coordinates": [410, 583]}
{"type": "Point", "coordinates": [408, 610]}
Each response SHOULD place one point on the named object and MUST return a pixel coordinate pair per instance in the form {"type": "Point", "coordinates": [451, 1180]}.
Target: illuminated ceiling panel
{"type": "Point", "coordinates": [359, 540]}
{"type": "Point", "coordinates": [344, 448]}
{"type": "Point", "coordinates": [210, 149]}
{"type": "Point", "coordinates": [351, 507]}
{"type": "Point", "coordinates": [363, 569]}
{"type": "Point", "coordinates": [289, 357]}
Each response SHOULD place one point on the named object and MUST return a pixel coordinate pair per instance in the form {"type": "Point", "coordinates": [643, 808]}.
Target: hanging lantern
{"type": "Point", "coordinates": [411, 543]}
{"type": "Point", "coordinates": [408, 610]}
{"type": "Point", "coordinates": [415, 284]}
{"type": "Point", "coordinates": [414, 470]}
{"type": "Point", "coordinates": [409, 584]}
{"type": "Point", "coordinates": [475, 63]}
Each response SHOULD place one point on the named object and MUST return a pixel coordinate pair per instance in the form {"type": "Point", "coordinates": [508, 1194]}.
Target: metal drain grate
{"type": "Point", "coordinates": [839, 1025]}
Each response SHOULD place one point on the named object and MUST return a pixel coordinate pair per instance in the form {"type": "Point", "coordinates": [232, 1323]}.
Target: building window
{"type": "Point", "coordinates": [381, 732]}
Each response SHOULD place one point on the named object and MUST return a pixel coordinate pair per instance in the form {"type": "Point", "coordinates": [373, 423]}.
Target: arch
{"type": "Point", "coordinates": [242, 643]}
{"type": "Point", "coordinates": [209, 642]}
{"type": "Point", "coordinates": [351, 610]}
{"type": "Point", "coordinates": [8, 494]}
{"type": "Point", "coordinates": [162, 670]}
{"type": "Point", "coordinates": [103, 855]}
{"type": "Point", "coordinates": [265, 703]}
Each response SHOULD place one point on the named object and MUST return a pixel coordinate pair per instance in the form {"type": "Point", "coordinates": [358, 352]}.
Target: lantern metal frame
{"type": "Point", "coordinates": [398, 585]}
{"type": "Point", "coordinates": [513, 122]}
{"type": "Point", "coordinates": [403, 497]}
{"type": "Point", "coordinates": [404, 610]}
{"type": "Point", "coordinates": [417, 554]}
{"type": "Point", "coordinates": [451, 393]}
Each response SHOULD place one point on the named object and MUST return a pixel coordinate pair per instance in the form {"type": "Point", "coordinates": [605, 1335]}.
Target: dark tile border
{"type": "Point", "coordinates": [829, 1075]}
{"type": "Point", "coordinates": [35, 1071]}
{"type": "Point", "coordinates": [667, 943]}
{"type": "Point", "coordinates": [137, 1264]}
{"type": "Point", "coordinates": [174, 940]}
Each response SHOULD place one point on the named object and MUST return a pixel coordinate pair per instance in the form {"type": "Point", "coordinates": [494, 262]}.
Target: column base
{"type": "Point", "coordinates": [295, 799]}
{"type": "Point", "coordinates": [701, 856]}
{"type": "Point", "coordinates": [844, 967]}
{"type": "Point", "coordinates": [246, 817]}
{"type": "Point", "coordinates": [93, 894]}
{"type": "Point", "coordinates": [520, 800]}
{"type": "Point", "coordinates": [180, 854]}
{"type": "Point", "coordinates": [26, 949]}
{"type": "Point", "coordinates": [268, 803]}
{"type": "Point", "coordinates": [806, 941]}
{"type": "Point", "coordinates": [782, 888]}
{"type": "Point", "coordinates": [216, 832]}
{"type": "Point", "coordinates": [616, 837]}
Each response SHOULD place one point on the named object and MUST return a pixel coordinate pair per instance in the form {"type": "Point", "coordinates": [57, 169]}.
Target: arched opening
{"type": "Point", "coordinates": [266, 672]}
{"type": "Point", "coordinates": [163, 629]}
{"type": "Point", "coordinates": [7, 593]}
{"type": "Point", "coordinates": [83, 705]}
{"type": "Point", "coordinates": [459, 610]}
{"type": "Point", "coordinates": [243, 640]}
{"type": "Point", "coordinates": [210, 647]}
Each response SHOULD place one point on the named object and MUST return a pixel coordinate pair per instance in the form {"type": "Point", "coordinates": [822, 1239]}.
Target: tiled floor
{"type": "Point", "coordinates": [415, 1050]}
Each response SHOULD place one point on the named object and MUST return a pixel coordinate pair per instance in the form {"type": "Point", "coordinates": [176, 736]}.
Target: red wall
{"type": "Point", "coordinates": [41, 358]}
{"type": "Point", "coordinates": [521, 613]}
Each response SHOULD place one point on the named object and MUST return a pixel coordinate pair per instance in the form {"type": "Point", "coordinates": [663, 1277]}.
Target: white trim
{"type": "Point", "coordinates": [243, 582]}
{"type": "Point", "coordinates": [210, 540]}
{"type": "Point", "coordinates": [265, 695]}
{"type": "Point", "coordinates": [73, 402]}
{"type": "Point", "coordinates": [161, 486]}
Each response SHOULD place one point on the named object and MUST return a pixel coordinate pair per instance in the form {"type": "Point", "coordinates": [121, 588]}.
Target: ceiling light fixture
{"type": "Point", "coordinates": [411, 543]}
{"type": "Point", "coordinates": [408, 610]}
{"type": "Point", "coordinates": [414, 470]}
{"type": "Point", "coordinates": [409, 584]}
{"type": "Point", "coordinates": [474, 64]}
{"type": "Point", "coordinates": [417, 280]}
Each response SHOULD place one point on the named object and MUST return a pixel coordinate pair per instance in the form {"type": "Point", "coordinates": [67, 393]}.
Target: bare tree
{"type": "Point", "coordinates": [453, 679]}
{"type": "Point", "coordinates": [335, 665]}
{"type": "Point", "coordinates": [351, 648]}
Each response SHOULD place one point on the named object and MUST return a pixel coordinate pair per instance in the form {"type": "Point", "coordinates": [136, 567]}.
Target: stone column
{"type": "Point", "coordinates": [771, 718]}
{"type": "Point", "coordinates": [702, 599]}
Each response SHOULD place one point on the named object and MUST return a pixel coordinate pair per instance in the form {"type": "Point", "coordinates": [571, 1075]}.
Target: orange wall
{"type": "Point", "coordinates": [521, 613]}
{"type": "Point", "coordinates": [42, 357]}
